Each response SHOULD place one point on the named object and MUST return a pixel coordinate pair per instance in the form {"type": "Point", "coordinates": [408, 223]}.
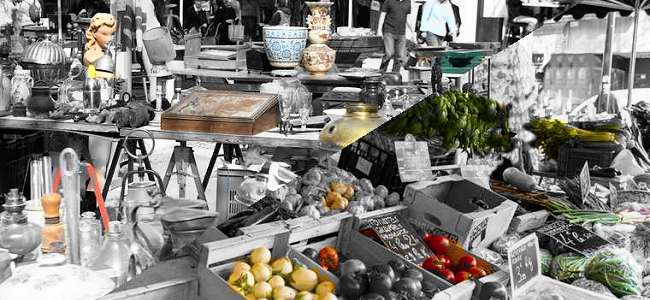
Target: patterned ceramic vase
{"type": "Point", "coordinates": [318, 58]}
{"type": "Point", "coordinates": [284, 45]}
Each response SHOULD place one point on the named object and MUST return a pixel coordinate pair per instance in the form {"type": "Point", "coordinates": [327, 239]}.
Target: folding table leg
{"type": "Point", "coordinates": [197, 177]}
{"type": "Point", "coordinates": [213, 159]}
{"type": "Point", "coordinates": [112, 167]}
{"type": "Point", "coordinates": [168, 173]}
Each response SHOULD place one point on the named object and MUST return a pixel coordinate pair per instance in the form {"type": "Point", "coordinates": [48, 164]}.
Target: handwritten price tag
{"type": "Point", "coordinates": [523, 263]}
{"type": "Point", "coordinates": [397, 235]}
{"type": "Point", "coordinates": [574, 237]}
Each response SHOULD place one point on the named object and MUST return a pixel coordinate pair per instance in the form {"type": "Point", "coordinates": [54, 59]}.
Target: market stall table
{"type": "Point", "coordinates": [248, 81]}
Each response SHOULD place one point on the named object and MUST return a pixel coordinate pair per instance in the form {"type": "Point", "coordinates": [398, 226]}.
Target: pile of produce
{"type": "Point", "coordinates": [568, 267]}
{"type": "Point", "coordinates": [462, 119]}
{"type": "Point", "coordinates": [281, 279]}
{"type": "Point", "coordinates": [617, 270]}
{"type": "Point", "coordinates": [641, 112]}
{"type": "Point", "coordinates": [454, 271]}
{"type": "Point", "coordinates": [391, 281]}
{"type": "Point", "coordinates": [319, 193]}
{"type": "Point", "coordinates": [551, 134]}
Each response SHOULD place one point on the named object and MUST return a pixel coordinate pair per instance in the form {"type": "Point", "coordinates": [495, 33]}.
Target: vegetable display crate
{"type": "Point", "coordinates": [227, 182]}
{"type": "Point", "coordinates": [16, 148]}
{"type": "Point", "coordinates": [367, 159]}
{"type": "Point", "coordinates": [573, 156]}
{"type": "Point", "coordinates": [217, 258]}
{"type": "Point", "coordinates": [475, 215]}
{"type": "Point", "coordinates": [459, 62]}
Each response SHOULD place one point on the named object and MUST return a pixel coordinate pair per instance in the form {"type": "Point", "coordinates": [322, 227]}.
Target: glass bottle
{"type": "Point", "coordinates": [16, 234]}
{"type": "Point", "coordinates": [92, 92]}
{"type": "Point", "coordinates": [373, 92]}
{"type": "Point", "coordinates": [114, 254]}
{"type": "Point", "coordinates": [89, 234]}
{"type": "Point", "coordinates": [177, 96]}
{"type": "Point", "coordinates": [54, 230]}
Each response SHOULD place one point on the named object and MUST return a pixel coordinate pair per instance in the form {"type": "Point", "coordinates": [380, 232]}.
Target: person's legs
{"type": "Point", "coordinates": [400, 52]}
{"type": "Point", "coordinates": [433, 40]}
{"type": "Point", "coordinates": [389, 50]}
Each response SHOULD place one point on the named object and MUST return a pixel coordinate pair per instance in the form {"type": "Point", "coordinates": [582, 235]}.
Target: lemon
{"type": "Point", "coordinates": [305, 296]}
{"type": "Point", "coordinates": [260, 255]}
{"type": "Point", "coordinates": [328, 296]}
{"type": "Point", "coordinates": [240, 266]}
{"type": "Point", "coordinates": [262, 272]}
{"type": "Point", "coordinates": [284, 293]}
{"type": "Point", "coordinates": [263, 290]}
{"type": "Point", "coordinates": [325, 287]}
{"type": "Point", "coordinates": [282, 266]}
{"type": "Point", "coordinates": [276, 281]}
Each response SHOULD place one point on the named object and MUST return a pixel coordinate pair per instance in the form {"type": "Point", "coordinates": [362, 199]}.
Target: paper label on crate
{"type": "Point", "coordinates": [574, 237]}
{"type": "Point", "coordinates": [364, 166]}
{"type": "Point", "coordinates": [585, 182]}
{"type": "Point", "coordinates": [523, 263]}
{"type": "Point", "coordinates": [399, 237]}
{"type": "Point", "coordinates": [413, 161]}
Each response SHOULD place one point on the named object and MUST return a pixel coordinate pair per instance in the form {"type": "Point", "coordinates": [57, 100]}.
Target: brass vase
{"type": "Point", "coordinates": [359, 120]}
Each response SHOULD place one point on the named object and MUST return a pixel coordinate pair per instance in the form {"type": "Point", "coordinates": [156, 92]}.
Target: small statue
{"type": "Point", "coordinates": [99, 33]}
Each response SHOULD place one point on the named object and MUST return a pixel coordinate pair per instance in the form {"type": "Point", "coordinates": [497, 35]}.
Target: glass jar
{"type": "Point", "coordinates": [21, 85]}
{"type": "Point", "coordinates": [16, 234]}
{"type": "Point", "coordinates": [5, 90]}
{"type": "Point", "coordinates": [252, 189]}
{"type": "Point", "coordinates": [89, 234]}
{"type": "Point", "coordinates": [114, 254]}
{"type": "Point", "coordinates": [373, 91]}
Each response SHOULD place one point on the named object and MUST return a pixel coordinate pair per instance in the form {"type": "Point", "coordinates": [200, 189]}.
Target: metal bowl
{"type": "Point", "coordinates": [184, 219]}
{"type": "Point", "coordinates": [44, 53]}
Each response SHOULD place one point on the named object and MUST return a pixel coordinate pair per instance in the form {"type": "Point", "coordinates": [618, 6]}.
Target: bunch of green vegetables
{"type": "Point", "coordinates": [462, 119]}
{"type": "Point", "coordinates": [551, 134]}
{"type": "Point", "coordinates": [616, 269]}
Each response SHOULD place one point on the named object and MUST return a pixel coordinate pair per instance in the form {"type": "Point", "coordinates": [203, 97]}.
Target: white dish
{"type": "Point", "coordinates": [335, 113]}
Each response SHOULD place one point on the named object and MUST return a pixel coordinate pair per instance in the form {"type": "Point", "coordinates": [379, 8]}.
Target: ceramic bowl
{"type": "Point", "coordinates": [284, 45]}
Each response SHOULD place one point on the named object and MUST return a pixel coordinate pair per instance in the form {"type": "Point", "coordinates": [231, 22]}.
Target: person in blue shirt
{"type": "Point", "coordinates": [437, 18]}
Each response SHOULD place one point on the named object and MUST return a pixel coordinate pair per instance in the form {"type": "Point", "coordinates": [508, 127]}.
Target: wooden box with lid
{"type": "Point", "coordinates": [228, 112]}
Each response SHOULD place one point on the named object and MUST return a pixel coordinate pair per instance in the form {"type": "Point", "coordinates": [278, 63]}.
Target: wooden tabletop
{"type": "Point", "coordinates": [28, 123]}
{"type": "Point", "coordinates": [270, 138]}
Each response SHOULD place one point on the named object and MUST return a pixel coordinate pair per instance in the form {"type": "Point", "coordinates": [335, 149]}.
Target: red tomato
{"type": "Point", "coordinates": [427, 236]}
{"type": "Point", "coordinates": [462, 276]}
{"type": "Point", "coordinates": [477, 272]}
{"type": "Point", "coordinates": [447, 274]}
{"type": "Point", "coordinates": [439, 244]}
{"type": "Point", "coordinates": [466, 262]}
{"type": "Point", "coordinates": [431, 263]}
{"type": "Point", "coordinates": [446, 261]}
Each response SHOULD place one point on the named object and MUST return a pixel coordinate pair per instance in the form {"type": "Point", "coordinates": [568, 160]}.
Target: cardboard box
{"type": "Point", "coordinates": [452, 203]}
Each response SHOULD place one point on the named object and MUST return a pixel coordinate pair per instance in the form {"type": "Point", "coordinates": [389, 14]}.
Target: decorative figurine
{"type": "Point", "coordinates": [99, 33]}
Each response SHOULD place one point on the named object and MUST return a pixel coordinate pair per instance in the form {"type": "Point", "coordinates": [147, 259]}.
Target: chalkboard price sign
{"type": "Point", "coordinates": [574, 237]}
{"type": "Point", "coordinates": [523, 263]}
{"type": "Point", "coordinates": [398, 236]}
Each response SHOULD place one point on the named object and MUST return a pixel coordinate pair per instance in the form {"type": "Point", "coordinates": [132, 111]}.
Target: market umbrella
{"type": "Point", "coordinates": [581, 7]}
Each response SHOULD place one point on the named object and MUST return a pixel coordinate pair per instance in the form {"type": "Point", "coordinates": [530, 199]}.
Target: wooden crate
{"type": "Point", "coordinates": [217, 258]}
{"type": "Point", "coordinates": [175, 289]}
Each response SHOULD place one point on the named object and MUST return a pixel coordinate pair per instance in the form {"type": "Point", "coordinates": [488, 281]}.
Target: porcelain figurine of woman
{"type": "Point", "coordinates": [99, 33]}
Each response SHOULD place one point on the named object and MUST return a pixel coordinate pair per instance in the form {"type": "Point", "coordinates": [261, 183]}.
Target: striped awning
{"type": "Point", "coordinates": [600, 8]}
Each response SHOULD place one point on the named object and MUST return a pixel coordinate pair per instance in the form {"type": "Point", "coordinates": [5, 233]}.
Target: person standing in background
{"type": "Point", "coordinates": [393, 23]}
{"type": "Point", "coordinates": [438, 21]}
{"type": "Point", "coordinates": [282, 14]}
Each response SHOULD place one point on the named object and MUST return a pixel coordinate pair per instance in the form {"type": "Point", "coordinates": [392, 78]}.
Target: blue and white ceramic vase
{"type": "Point", "coordinates": [284, 45]}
